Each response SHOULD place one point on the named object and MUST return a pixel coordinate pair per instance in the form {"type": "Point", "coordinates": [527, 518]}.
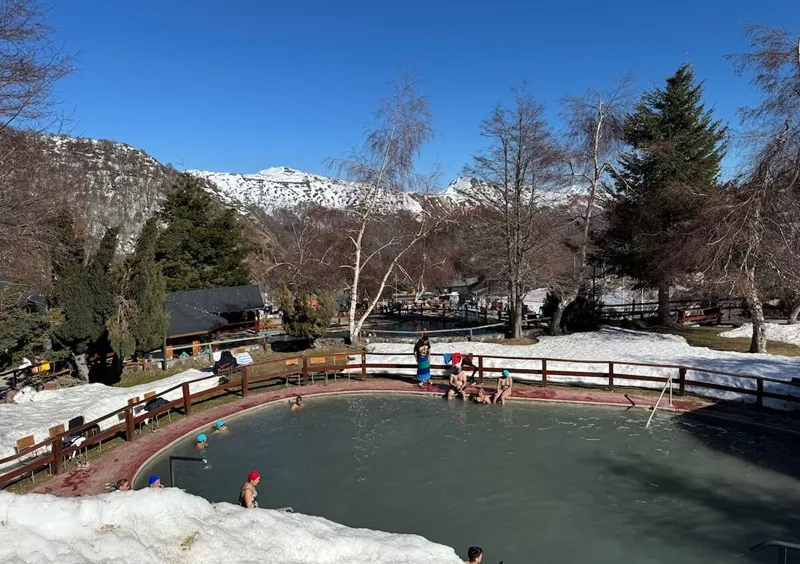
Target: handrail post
{"type": "Point", "coordinates": [187, 400]}
{"type": "Point", "coordinates": [611, 375]}
{"type": "Point", "coordinates": [129, 423]}
{"type": "Point", "coordinates": [544, 372]}
{"type": "Point", "coordinates": [480, 370]}
{"type": "Point", "coordinates": [363, 365]}
{"type": "Point", "coordinates": [760, 392]}
{"type": "Point", "coordinates": [681, 380]}
{"type": "Point", "coordinates": [244, 381]}
{"type": "Point", "coordinates": [56, 450]}
{"type": "Point", "coordinates": [305, 370]}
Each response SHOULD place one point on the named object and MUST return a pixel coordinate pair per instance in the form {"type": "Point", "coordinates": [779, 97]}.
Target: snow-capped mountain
{"type": "Point", "coordinates": [283, 187]}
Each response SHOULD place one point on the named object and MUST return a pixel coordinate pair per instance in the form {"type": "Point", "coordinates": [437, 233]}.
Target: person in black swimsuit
{"type": "Point", "coordinates": [248, 493]}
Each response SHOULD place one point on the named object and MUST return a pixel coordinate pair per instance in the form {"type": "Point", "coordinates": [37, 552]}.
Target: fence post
{"type": "Point", "coordinates": [363, 366]}
{"type": "Point", "coordinates": [611, 375]}
{"type": "Point", "coordinates": [129, 423]}
{"type": "Point", "coordinates": [760, 392]}
{"type": "Point", "coordinates": [681, 380]}
{"type": "Point", "coordinates": [187, 400]}
{"type": "Point", "coordinates": [56, 455]}
{"type": "Point", "coordinates": [544, 372]}
{"type": "Point", "coordinates": [244, 381]}
{"type": "Point", "coordinates": [305, 370]}
{"type": "Point", "coordinates": [470, 335]}
{"type": "Point", "coordinates": [480, 370]}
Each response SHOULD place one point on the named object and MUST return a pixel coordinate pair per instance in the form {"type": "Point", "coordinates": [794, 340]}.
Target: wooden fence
{"type": "Point", "coordinates": [242, 381]}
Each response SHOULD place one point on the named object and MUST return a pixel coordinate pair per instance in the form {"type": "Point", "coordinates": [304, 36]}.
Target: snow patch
{"type": "Point", "coordinates": [169, 525]}
{"type": "Point", "coordinates": [775, 332]}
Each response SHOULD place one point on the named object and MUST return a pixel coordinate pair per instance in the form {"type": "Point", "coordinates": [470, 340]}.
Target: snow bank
{"type": "Point", "coordinates": [169, 525]}
{"type": "Point", "coordinates": [39, 411]}
{"type": "Point", "coordinates": [618, 345]}
{"type": "Point", "coordinates": [775, 332]}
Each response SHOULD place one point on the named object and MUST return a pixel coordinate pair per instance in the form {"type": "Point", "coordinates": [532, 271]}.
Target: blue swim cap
{"type": "Point", "coordinates": [506, 374]}
{"type": "Point", "coordinates": [153, 479]}
{"type": "Point", "coordinates": [219, 424]}
{"type": "Point", "coordinates": [201, 437]}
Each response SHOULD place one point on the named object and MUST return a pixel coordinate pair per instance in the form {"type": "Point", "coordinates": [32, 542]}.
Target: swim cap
{"type": "Point", "coordinates": [254, 475]}
{"type": "Point", "coordinates": [219, 424]}
{"type": "Point", "coordinates": [506, 374]}
{"type": "Point", "coordinates": [201, 437]}
{"type": "Point", "coordinates": [153, 479]}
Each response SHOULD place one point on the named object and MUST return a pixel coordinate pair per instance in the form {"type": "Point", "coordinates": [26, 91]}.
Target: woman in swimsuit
{"type": "Point", "coordinates": [422, 351]}
{"type": "Point", "coordinates": [248, 493]}
{"type": "Point", "coordinates": [504, 384]}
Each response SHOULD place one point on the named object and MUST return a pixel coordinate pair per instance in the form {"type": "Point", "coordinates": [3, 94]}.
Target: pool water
{"type": "Point", "coordinates": [530, 482]}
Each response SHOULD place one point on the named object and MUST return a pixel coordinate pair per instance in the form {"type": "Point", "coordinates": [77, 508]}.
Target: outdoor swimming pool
{"type": "Point", "coordinates": [531, 482]}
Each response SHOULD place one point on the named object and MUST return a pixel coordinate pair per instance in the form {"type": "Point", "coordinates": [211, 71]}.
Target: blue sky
{"type": "Point", "coordinates": [242, 85]}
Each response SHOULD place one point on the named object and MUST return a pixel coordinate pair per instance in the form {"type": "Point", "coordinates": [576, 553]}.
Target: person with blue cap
{"type": "Point", "coordinates": [219, 427]}
{"type": "Point", "coordinates": [155, 482]}
{"type": "Point", "coordinates": [202, 441]}
{"type": "Point", "coordinates": [504, 384]}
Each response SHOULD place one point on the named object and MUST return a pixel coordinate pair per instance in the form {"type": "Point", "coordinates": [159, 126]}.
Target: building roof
{"type": "Point", "coordinates": [202, 311]}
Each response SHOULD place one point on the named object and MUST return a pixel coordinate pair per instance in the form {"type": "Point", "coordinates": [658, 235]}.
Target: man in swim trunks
{"type": "Point", "coordinates": [248, 493]}
{"type": "Point", "coordinates": [504, 384]}
{"type": "Point", "coordinates": [458, 384]}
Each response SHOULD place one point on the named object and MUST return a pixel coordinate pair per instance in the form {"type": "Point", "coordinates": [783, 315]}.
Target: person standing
{"type": "Point", "coordinates": [422, 353]}
{"type": "Point", "coordinates": [248, 493]}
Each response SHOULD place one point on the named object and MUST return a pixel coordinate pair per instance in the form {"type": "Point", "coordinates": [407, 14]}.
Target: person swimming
{"type": "Point", "coordinates": [475, 555]}
{"type": "Point", "coordinates": [504, 384]}
{"type": "Point", "coordinates": [297, 403]}
{"type": "Point", "coordinates": [248, 493]}
{"type": "Point", "coordinates": [122, 485]}
{"type": "Point", "coordinates": [155, 482]}
{"type": "Point", "coordinates": [482, 397]}
{"type": "Point", "coordinates": [202, 441]}
{"type": "Point", "coordinates": [219, 427]}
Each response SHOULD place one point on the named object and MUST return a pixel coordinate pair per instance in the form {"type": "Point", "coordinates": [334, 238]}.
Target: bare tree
{"type": "Point", "coordinates": [386, 162]}
{"type": "Point", "coordinates": [520, 163]}
{"type": "Point", "coordinates": [595, 124]}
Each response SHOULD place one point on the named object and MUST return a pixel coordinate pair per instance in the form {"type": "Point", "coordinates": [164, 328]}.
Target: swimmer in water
{"type": "Point", "coordinates": [155, 482]}
{"type": "Point", "coordinates": [220, 427]}
{"type": "Point", "coordinates": [122, 485]}
{"type": "Point", "coordinates": [483, 397]}
{"type": "Point", "coordinates": [298, 403]}
{"type": "Point", "coordinates": [504, 384]}
{"type": "Point", "coordinates": [475, 555]}
{"type": "Point", "coordinates": [248, 493]}
{"type": "Point", "coordinates": [202, 441]}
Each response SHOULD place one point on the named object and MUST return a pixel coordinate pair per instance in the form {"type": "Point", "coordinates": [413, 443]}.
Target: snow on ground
{"type": "Point", "coordinates": [618, 345]}
{"type": "Point", "coordinates": [169, 525]}
{"type": "Point", "coordinates": [775, 332]}
{"type": "Point", "coordinates": [37, 412]}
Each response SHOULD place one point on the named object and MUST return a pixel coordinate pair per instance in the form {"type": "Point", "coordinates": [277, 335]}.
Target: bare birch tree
{"type": "Point", "coordinates": [520, 163]}
{"type": "Point", "coordinates": [595, 124]}
{"type": "Point", "coordinates": [385, 163]}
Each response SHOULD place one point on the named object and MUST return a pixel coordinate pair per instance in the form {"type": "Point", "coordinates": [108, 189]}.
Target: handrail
{"type": "Point", "coordinates": [655, 407]}
{"type": "Point", "coordinates": [783, 547]}
{"type": "Point", "coordinates": [249, 376]}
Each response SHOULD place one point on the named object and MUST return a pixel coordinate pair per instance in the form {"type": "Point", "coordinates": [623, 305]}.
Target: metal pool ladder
{"type": "Point", "coordinates": [783, 548]}
{"type": "Point", "coordinates": [655, 407]}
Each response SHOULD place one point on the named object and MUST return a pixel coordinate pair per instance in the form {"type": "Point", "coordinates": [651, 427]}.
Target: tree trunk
{"type": "Point", "coordinates": [794, 314]}
{"type": "Point", "coordinates": [515, 318]}
{"type": "Point", "coordinates": [563, 303]}
{"type": "Point", "coordinates": [663, 302]}
{"type": "Point", "coordinates": [758, 343]}
{"type": "Point", "coordinates": [81, 366]}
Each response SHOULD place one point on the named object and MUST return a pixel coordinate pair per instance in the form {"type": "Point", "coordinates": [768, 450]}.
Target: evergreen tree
{"type": "Point", "coordinates": [304, 315]}
{"type": "Point", "coordinates": [83, 291]}
{"type": "Point", "coordinates": [148, 290]}
{"type": "Point", "coordinates": [672, 168]}
{"type": "Point", "coordinates": [203, 245]}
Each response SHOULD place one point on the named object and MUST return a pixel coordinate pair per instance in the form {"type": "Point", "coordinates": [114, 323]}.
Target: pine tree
{"type": "Point", "coordinates": [203, 245]}
{"type": "Point", "coordinates": [148, 290]}
{"type": "Point", "coordinates": [672, 168]}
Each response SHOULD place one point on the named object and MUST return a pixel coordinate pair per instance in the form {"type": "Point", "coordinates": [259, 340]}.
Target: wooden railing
{"type": "Point", "coordinates": [242, 380]}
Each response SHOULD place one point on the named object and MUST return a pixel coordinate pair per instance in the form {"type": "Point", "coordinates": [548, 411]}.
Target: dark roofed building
{"type": "Point", "coordinates": [213, 310]}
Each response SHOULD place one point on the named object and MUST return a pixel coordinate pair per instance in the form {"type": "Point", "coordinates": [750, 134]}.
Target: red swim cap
{"type": "Point", "coordinates": [254, 475]}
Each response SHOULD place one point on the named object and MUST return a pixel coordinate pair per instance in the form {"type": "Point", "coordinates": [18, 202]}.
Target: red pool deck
{"type": "Point", "coordinates": [125, 461]}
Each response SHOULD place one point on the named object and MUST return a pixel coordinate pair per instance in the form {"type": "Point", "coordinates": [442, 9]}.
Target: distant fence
{"type": "Point", "coordinates": [51, 452]}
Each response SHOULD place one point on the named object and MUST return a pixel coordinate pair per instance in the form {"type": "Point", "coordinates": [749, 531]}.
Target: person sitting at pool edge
{"type": "Point", "coordinates": [155, 482]}
{"type": "Point", "coordinates": [482, 397]}
{"type": "Point", "coordinates": [458, 384]}
{"type": "Point", "coordinates": [248, 493]}
{"type": "Point", "coordinates": [298, 403]}
{"type": "Point", "coordinates": [219, 427]}
{"type": "Point", "coordinates": [504, 384]}
{"type": "Point", "coordinates": [475, 555]}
